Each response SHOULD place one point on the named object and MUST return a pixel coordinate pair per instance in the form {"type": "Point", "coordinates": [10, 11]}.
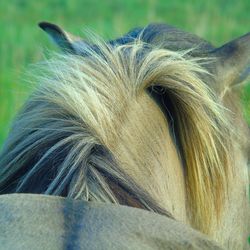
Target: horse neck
{"type": "Point", "coordinates": [146, 152]}
{"type": "Point", "coordinates": [233, 229]}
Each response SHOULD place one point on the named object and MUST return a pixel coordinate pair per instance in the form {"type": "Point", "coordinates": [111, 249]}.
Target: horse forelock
{"type": "Point", "coordinates": [102, 100]}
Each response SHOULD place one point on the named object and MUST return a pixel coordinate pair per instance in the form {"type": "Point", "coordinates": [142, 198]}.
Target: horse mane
{"type": "Point", "coordinates": [61, 142]}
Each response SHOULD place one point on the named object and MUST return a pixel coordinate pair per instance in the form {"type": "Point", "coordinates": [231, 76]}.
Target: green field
{"type": "Point", "coordinates": [22, 43]}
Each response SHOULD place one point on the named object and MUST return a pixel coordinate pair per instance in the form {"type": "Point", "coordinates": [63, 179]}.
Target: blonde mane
{"type": "Point", "coordinates": [92, 121]}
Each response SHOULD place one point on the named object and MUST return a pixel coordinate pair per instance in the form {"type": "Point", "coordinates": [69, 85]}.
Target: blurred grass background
{"type": "Point", "coordinates": [23, 43]}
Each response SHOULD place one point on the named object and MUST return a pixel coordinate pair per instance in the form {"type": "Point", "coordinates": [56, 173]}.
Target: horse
{"type": "Point", "coordinates": [149, 121]}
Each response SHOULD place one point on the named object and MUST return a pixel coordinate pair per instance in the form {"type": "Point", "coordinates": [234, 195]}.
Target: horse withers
{"type": "Point", "coordinates": [152, 121]}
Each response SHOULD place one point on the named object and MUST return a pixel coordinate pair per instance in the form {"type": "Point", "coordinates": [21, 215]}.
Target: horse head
{"type": "Point", "coordinates": [149, 120]}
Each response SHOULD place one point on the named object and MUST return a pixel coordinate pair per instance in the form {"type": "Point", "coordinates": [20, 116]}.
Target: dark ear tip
{"type": "Point", "coordinates": [46, 25]}
{"type": "Point", "coordinates": [43, 25]}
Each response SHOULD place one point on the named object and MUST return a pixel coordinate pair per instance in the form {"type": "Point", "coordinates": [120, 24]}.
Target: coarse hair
{"type": "Point", "coordinates": [64, 141]}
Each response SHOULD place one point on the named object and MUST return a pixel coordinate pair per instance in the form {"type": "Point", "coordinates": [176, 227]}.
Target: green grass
{"type": "Point", "coordinates": [23, 43]}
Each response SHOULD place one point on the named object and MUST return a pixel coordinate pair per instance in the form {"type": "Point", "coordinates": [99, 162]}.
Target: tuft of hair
{"type": "Point", "coordinates": [61, 142]}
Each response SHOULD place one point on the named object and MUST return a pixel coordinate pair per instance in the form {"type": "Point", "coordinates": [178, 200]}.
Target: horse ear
{"type": "Point", "coordinates": [66, 41]}
{"type": "Point", "coordinates": [233, 62]}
